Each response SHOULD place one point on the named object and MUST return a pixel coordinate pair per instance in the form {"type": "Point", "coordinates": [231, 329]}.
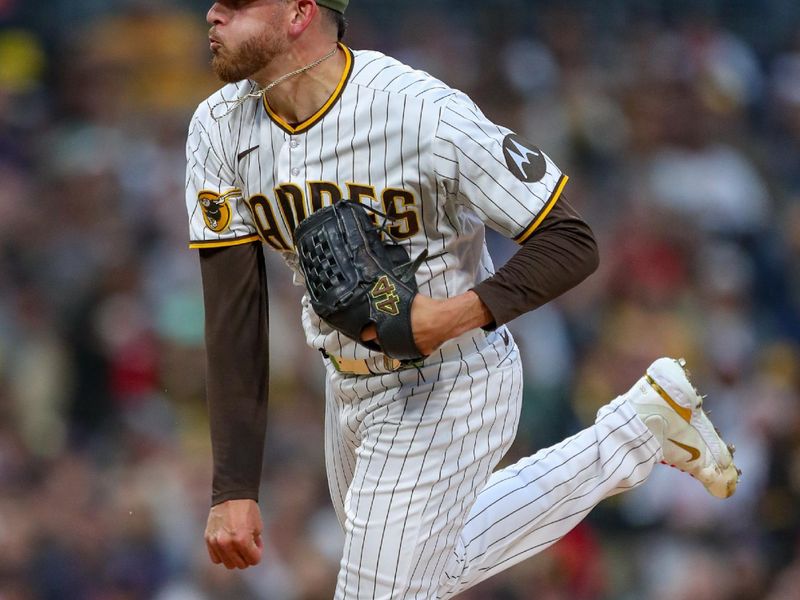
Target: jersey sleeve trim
{"type": "Point", "coordinates": [316, 117]}
{"type": "Point", "coordinates": [526, 233]}
{"type": "Point", "coordinates": [223, 243]}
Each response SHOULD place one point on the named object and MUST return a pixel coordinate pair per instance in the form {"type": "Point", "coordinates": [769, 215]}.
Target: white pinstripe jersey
{"type": "Point", "coordinates": [390, 136]}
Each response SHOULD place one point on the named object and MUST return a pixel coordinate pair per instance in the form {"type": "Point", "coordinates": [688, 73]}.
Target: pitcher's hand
{"type": "Point", "coordinates": [233, 534]}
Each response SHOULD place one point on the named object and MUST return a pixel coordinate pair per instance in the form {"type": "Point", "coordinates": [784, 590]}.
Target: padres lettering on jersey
{"type": "Point", "coordinates": [393, 137]}
{"type": "Point", "coordinates": [294, 205]}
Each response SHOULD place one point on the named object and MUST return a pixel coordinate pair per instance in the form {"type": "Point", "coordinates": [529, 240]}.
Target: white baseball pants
{"type": "Point", "coordinates": [410, 458]}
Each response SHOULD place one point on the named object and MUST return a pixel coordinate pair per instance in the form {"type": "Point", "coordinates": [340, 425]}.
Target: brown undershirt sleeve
{"type": "Point", "coordinates": [237, 367]}
{"type": "Point", "coordinates": [560, 254]}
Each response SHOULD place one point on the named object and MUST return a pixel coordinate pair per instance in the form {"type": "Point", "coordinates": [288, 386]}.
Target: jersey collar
{"type": "Point", "coordinates": [316, 117]}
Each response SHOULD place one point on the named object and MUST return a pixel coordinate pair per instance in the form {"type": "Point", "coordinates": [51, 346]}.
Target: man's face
{"type": "Point", "coordinates": [245, 36]}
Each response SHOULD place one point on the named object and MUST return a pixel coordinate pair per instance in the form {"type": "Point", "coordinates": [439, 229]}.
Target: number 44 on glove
{"type": "Point", "coordinates": [355, 279]}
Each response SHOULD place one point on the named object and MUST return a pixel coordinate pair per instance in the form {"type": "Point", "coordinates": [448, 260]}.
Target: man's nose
{"type": "Point", "coordinates": [217, 14]}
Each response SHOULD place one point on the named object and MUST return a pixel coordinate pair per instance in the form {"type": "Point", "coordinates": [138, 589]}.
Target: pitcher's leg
{"type": "Point", "coordinates": [422, 460]}
{"type": "Point", "coordinates": [528, 506]}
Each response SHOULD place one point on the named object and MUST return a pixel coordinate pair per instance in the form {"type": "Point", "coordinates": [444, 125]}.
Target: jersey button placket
{"type": "Point", "coordinates": [294, 144]}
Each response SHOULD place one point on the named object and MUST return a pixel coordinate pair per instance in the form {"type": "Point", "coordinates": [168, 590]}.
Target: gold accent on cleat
{"type": "Point", "coordinates": [695, 453]}
{"type": "Point", "coordinates": [685, 413]}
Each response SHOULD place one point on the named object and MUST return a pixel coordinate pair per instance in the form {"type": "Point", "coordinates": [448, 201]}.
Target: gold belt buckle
{"type": "Point", "coordinates": [391, 364]}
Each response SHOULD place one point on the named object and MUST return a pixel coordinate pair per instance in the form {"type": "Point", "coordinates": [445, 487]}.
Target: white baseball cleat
{"type": "Point", "coordinates": [672, 409]}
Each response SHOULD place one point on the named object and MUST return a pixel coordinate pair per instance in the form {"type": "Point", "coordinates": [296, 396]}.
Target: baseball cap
{"type": "Point", "coordinates": [337, 5]}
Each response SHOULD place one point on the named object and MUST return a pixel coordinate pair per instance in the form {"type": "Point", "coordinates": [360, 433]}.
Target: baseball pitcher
{"type": "Point", "coordinates": [375, 182]}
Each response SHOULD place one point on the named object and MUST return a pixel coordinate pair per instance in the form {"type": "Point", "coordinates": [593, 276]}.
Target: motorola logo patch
{"type": "Point", "coordinates": [525, 161]}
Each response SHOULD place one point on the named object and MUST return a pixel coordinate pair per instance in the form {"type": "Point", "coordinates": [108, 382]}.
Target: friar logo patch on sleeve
{"type": "Point", "coordinates": [216, 209]}
{"type": "Point", "coordinates": [525, 161]}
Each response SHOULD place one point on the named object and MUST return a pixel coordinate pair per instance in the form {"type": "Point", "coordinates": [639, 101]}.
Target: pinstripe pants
{"type": "Point", "coordinates": [410, 458]}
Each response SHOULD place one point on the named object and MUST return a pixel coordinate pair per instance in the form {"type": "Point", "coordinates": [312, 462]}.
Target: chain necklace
{"type": "Point", "coordinates": [234, 104]}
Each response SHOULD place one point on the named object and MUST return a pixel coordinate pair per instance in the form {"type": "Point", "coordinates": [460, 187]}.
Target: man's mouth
{"type": "Point", "coordinates": [213, 41]}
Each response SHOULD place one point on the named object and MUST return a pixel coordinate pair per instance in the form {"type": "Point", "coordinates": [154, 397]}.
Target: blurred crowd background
{"type": "Point", "coordinates": [679, 123]}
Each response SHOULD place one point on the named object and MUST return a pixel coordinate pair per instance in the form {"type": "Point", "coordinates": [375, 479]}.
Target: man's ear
{"type": "Point", "coordinates": [303, 13]}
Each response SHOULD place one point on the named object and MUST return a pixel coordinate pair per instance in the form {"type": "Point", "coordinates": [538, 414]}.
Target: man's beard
{"type": "Point", "coordinates": [252, 56]}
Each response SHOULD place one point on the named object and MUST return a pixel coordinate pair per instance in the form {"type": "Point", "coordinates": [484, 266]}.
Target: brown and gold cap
{"type": "Point", "coordinates": [337, 5]}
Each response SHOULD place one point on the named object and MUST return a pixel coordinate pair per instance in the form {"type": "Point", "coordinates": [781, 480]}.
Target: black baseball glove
{"type": "Point", "coordinates": [354, 278]}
